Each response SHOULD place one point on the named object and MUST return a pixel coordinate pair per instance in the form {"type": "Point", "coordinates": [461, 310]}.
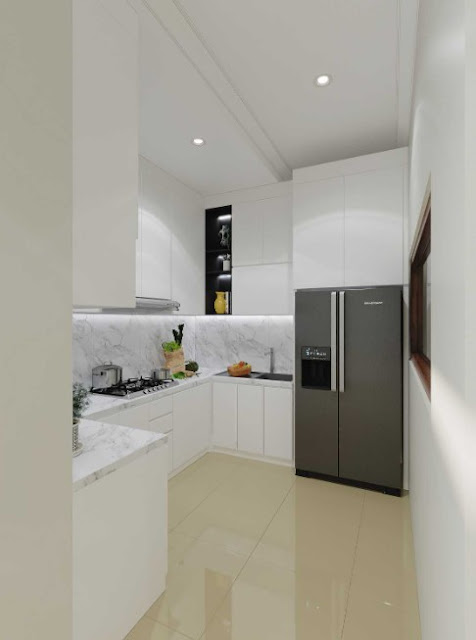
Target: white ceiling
{"type": "Point", "coordinates": [240, 74]}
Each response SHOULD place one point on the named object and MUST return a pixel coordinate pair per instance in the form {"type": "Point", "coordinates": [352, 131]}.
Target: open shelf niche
{"type": "Point", "coordinates": [216, 279]}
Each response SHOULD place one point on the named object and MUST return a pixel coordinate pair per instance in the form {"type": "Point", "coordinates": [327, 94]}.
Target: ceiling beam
{"type": "Point", "coordinates": [173, 18]}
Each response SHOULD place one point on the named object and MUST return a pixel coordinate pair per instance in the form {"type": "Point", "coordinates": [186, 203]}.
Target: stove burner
{"type": "Point", "coordinates": [135, 386]}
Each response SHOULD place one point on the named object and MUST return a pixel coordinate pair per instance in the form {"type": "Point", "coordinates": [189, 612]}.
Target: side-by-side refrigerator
{"type": "Point", "coordinates": [349, 388]}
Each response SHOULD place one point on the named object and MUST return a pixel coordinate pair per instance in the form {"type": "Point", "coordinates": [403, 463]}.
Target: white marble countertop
{"type": "Point", "coordinates": [103, 405]}
{"type": "Point", "coordinates": [108, 447]}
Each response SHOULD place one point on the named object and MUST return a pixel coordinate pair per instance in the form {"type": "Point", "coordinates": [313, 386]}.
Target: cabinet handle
{"type": "Point", "coordinates": [334, 341]}
{"type": "Point", "coordinates": [342, 341]}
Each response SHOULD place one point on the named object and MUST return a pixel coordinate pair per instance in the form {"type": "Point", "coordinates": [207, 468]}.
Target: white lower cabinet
{"type": "Point", "coordinates": [192, 423]}
{"type": "Point", "coordinates": [225, 428]}
{"type": "Point", "coordinates": [165, 424]}
{"type": "Point", "coordinates": [119, 530]}
{"type": "Point", "coordinates": [135, 417]}
{"type": "Point", "coordinates": [278, 421]}
{"type": "Point", "coordinates": [250, 419]}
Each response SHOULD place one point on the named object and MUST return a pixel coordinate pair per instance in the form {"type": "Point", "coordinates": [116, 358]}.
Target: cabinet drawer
{"type": "Point", "coordinates": [164, 424]}
{"type": "Point", "coordinates": [160, 408]}
{"type": "Point", "coordinates": [136, 417]}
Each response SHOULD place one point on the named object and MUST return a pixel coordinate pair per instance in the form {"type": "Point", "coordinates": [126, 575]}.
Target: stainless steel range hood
{"type": "Point", "coordinates": [144, 306]}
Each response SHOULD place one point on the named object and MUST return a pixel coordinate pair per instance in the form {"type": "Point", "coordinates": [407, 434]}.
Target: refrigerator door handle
{"type": "Point", "coordinates": [342, 341]}
{"type": "Point", "coordinates": [334, 341]}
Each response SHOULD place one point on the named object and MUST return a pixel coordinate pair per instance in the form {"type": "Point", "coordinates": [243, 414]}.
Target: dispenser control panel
{"type": "Point", "coordinates": [315, 353]}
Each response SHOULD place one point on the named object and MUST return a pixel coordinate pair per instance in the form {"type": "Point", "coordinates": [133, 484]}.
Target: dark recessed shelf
{"type": "Point", "coordinates": [219, 273]}
{"type": "Point", "coordinates": [216, 278]}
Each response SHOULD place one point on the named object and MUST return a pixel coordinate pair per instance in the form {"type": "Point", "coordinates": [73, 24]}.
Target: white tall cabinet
{"type": "Point", "coordinates": [105, 152]}
{"type": "Point", "coordinates": [262, 256]}
{"type": "Point", "coordinates": [171, 242]}
{"type": "Point", "coordinates": [348, 222]}
{"type": "Point", "coordinates": [318, 235]}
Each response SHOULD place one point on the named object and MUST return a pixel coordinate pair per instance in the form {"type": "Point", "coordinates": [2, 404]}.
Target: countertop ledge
{"type": "Point", "coordinates": [107, 447]}
{"type": "Point", "coordinates": [102, 406]}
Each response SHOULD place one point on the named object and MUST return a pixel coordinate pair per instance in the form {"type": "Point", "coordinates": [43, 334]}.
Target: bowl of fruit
{"type": "Point", "coordinates": [239, 369]}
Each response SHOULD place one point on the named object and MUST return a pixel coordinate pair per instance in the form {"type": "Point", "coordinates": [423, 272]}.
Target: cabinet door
{"type": "Point", "coordinates": [250, 419]}
{"type": "Point", "coordinates": [224, 432]}
{"type": "Point", "coordinates": [156, 236]}
{"type": "Point", "coordinates": [318, 234]}
{"type": "Point", "coordinates": [278, 423]}
{"type": "Point", "coordinates": [374, 228]}
{"type": "Point", "coordinates": [277, 230]}
{"type": "Point", "coordinates": [247, 236]}
{"type": "Point", "coordinates": [262, 290]}
{"type": "Point", "coordinates": [105, 153]}
{"type": "Point", "coordinates": [192, 423]}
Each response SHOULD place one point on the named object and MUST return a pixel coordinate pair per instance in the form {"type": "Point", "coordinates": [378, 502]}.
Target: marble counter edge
{"type": "Point", "coordinates": [99, 461]}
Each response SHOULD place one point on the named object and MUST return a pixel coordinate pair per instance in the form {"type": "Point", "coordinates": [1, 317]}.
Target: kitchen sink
{"type": "Point", "coordinates": [284, 377]}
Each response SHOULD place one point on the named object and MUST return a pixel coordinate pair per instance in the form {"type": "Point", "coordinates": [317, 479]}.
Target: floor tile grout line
{"type": "Point", "coordinates": [196, 507]}
{"type": "Point", "coordinates": [249, 557]}
{"type": "Point", "coordinates": [181, 633]}
{"type": "Point", "coordinates": [353, 565]}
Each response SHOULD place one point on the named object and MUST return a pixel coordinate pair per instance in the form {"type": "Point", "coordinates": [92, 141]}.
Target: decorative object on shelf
{"type": "Point", "coordinates": [220, 302]}
{"type": "Point", "coordinates": [80, 403]}
{"type": "Point", "coordinates": [224, 235]}
{"type": "Point", "coordinates": [227, 262]}
{"type": "Point", "coordinates": [173, 352]}
{"type": "Point", "coordinates": [239, 369]}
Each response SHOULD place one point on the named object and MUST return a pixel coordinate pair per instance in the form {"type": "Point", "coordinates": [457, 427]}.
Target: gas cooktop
{"type": "Point", "coordinates": [135, 387]}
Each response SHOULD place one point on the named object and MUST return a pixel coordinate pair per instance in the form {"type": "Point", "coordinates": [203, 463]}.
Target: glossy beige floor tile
{"type": "Point", "coordinates": [200, 575]}
{"type": "Point", "coordinates": [188, 489]}
{"type": "Point", "coordinates": [238, 512]}
{"type": "Point", "coordinates": [256, 553]}
{"type": "Point", "coordinates": [148, 629]}
{"type": "Point", "coordinates": [315, 528]}
{"type": "Point", "coordinates": [269, 603]}
{"type": "Point", "coordinates": [384, 563]}
{"type": "Point", "coordinates": [370, 620]}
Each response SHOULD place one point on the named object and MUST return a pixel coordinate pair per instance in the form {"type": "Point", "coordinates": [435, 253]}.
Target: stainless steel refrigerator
{"type": "Point", "coordinates": [349, 390]}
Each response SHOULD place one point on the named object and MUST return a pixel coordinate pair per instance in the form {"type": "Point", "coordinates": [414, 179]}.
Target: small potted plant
{"type": "Point", "coordinates": [80, 403]}
{"type": "Point", "coordinates": [173, 352]}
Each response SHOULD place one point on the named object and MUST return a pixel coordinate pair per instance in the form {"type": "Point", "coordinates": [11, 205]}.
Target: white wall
{"type": "Point", "coordinates": [442, 448]}
{"type": "Point", "coordinates": [184, 213]}
{"type": "Point", "coordinates": [35, 322]}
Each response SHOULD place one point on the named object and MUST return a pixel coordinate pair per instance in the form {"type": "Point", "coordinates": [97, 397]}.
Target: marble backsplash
{"type": "Point", "coordinates": [134, 342]}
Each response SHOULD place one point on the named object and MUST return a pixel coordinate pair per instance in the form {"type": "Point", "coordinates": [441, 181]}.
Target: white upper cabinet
{"type": "Point", "coordinates": [171, 245]}
{"type": "Point", "coordinates": [262, 290]}
{"type": "Point", "coordinates": [105, 153]}
{"type": "Point", "coordinates": [262, 256]}
{"type": "Point", "coordinates": [155, 236]}
{"type": "Point", "coordinates": [278, 230]}
{"type": "Point", "coordinates": [262, 232]}
{"type": "Point", "coordinates": [318, 239]}
{"type": "Point", "coordinates": [374, 228]}
{"type": "Point", "coordinates": [348, 222]}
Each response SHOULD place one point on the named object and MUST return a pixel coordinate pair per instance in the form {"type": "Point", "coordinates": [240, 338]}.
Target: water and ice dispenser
{"type": "Point", "coordinates": [316, 367]}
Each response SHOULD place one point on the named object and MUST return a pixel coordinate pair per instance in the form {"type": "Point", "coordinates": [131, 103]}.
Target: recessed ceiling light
{"type": "Point", "coordinates": [198, 142]}
{"type": "Point", "coordinates": [324, 80]}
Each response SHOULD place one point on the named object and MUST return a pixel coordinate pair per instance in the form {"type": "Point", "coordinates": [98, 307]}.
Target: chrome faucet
{"type": "Point", "coordinates": [271, 359]}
